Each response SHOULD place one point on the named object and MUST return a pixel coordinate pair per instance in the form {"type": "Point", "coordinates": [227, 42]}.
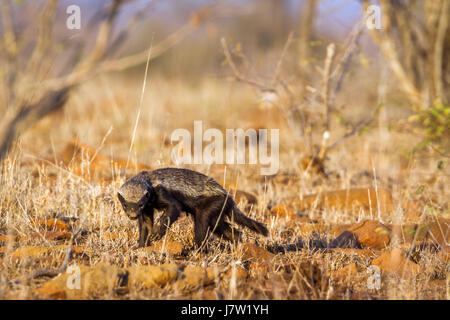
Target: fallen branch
{"type": "Point", "coordinates": [51, 272]}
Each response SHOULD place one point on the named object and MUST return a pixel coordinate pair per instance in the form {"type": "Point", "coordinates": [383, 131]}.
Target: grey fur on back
{"type": "Point", "coordinates": [174, 190]}
{"type": "Point", "coordinates": [188, 182]}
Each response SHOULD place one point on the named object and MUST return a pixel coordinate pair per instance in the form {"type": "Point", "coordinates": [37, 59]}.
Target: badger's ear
{"type": "Point", "coordinates": [121, 199]}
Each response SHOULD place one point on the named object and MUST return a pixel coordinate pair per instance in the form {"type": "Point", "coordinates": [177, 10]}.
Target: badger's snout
{"type": "Point", "coordinates": [132, 215]}
{"type": "Point", "coordinates": [132, 210]}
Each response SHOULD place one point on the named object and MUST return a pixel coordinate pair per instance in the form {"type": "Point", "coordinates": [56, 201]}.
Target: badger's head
{"type": "Point", "coordinates": [134, 195]}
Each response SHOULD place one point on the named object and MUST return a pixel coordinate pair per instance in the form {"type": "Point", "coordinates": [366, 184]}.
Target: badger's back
{"type": "Point", "coordinates": [187, 182]}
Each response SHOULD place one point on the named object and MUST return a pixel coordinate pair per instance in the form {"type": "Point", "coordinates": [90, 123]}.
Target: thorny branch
{"type": "Point", "coordinates": [329, 88]}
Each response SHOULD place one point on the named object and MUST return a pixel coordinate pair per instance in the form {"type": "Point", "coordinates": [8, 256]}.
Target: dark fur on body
{"type": "Point", "coordinates": [175, 190]}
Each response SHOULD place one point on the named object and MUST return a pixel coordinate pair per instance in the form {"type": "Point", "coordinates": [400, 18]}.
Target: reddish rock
{"type": "Point", "coordinates": [75, 249]}
{"type": "Point", "coordinates": [173, 248]}
{"type": "Point", "coordinates": [152, 276]}
{"type": "Point", "coordinates": [252, 252]}
{"type": "Point", "coordinates": [103, 279]}
{"type": "Point", "coordinates": [356, 198]}
{"type": "Point", "coordinates": [96, 281]}
{"type": "Point", "coordinates": [195, 277]}
{"type": "Point", "coordinates": [259, 258]}
{"type": "Point", "coordinates": [439, 232]}
{"type": "Point", "coordinates": [396, 262]}
{"type": "Point", "coordinates": [53, 225]}
{"type": "Point", "coordinates": [371, 234]}
{"type": "Point", "coordinates": [51, 290]}
{"type": "Point", "coordinates": [345, 273]}
{"type": "Point", "coordinates": [283, 212]}
{"type": "Point", "coordinates": [52, 235]}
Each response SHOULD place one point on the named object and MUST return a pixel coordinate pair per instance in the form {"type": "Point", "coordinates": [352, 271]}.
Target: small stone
{"type": "Point", "coordinates": [254, 253]}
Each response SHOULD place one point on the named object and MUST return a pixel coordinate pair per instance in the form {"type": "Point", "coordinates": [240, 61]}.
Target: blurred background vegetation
{"type": "Point", "coordinates": [274, 46]}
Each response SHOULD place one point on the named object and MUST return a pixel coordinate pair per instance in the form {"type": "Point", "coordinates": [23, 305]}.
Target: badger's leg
{"type": "Point", "coordinates": [224, 228]}
{"type": "Point", "coordinates": [169, 216]}
{"type": "Point", "coordinates": [145, 226]}
{"type": "Point", "coordinates": [229, 233]}
{"type": "Point", "coordinates": [201, 233]}
{"type": "Point", "coordinates": [209, 219]}
{"type": "Point", "coordinates": [203, 225]}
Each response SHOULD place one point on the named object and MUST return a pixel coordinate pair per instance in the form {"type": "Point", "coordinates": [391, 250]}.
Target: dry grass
{"type": "Point", "coordinates": [102, 115]}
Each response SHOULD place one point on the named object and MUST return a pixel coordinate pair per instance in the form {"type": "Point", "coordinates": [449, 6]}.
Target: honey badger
{"type": "Point", "coordinates": [174, 190]}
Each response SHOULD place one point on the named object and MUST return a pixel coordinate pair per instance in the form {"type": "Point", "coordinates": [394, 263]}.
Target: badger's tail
{"type": "Point", "coordinates": [238, 217]}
